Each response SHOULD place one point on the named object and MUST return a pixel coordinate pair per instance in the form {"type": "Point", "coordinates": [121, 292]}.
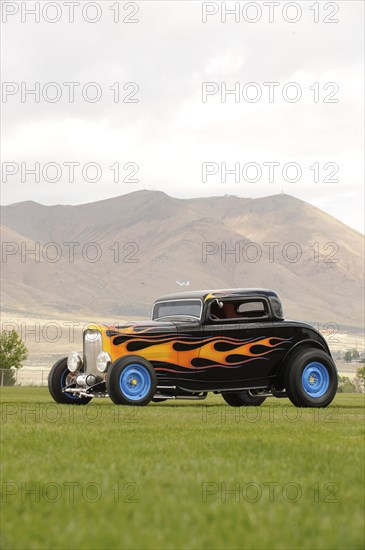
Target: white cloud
{"type": "Point", "coordinates": [225, 64]}
{"type": "Point", "coordinates": [170, 132]}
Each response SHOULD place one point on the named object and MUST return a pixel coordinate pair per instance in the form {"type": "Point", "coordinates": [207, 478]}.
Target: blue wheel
{"type": "Point", "coordinates": [242, 399]}
{"type": "Point", "coordinates": [131, 380]}
{"type": "Point", "coordinates": [135, 381]}
{"type": "Point", "coordinates": [60, 377]}
{"type": "Point", "coordinates": [315, 379]}
{"type": "Point", "coordinates": [311, 378]}
{"type": "Point", "coordinates": [66, 380]}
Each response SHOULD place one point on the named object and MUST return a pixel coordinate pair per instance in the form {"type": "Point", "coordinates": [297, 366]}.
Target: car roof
{"type": "Point", "coordinates": [218, 293]}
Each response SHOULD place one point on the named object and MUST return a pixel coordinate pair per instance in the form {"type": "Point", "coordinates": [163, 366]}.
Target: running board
{"type": "Point", "coordinates": [191, 397]}
{"type": "Point", "coordinates": [272, 393]}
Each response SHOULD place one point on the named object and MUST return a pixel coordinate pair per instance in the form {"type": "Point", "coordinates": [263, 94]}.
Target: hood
{"type": "Point", "coordinates": [130, 328]}
{"type": "Point", "coordinates": [134, 337]}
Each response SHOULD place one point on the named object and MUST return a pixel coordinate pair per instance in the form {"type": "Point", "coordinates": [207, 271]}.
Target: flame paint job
{"type": "Point", "coordinates": [213, 355]}
{"type": "Point", "coordinates": [176, 352]}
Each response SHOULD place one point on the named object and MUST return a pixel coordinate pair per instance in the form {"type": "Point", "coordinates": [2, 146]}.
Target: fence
{"type": "Point", "coordinates": [24, 377]}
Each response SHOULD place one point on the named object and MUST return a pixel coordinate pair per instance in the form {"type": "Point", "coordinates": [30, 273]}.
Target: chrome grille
{"type": "Point", "coordinates": [92, 347]}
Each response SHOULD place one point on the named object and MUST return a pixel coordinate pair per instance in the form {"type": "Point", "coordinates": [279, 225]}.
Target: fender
{"type": "Point", "coordinates": [308, 343]}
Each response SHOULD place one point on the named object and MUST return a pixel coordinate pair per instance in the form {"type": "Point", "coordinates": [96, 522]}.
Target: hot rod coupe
{"type": "Point", "coordinates": [233, 342]}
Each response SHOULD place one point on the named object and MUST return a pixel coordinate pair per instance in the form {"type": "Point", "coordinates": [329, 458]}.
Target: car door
{"type": "Point", "coordinates": [239, 333]}
{"type": "Point", "coordinates": [189, 344]}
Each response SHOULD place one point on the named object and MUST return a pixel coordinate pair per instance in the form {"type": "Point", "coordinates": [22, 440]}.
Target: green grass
{"type": "Point", "coordinates": [163, 456]}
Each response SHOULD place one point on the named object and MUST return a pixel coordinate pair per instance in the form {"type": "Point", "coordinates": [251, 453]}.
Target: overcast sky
{"type": "Point", "coordinates": [166, 134]}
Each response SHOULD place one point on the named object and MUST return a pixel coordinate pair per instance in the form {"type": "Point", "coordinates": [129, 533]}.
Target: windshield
{"type": "Point", "coordinates": [177, 308]}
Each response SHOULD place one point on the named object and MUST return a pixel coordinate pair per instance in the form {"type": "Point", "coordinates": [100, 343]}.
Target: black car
{"type": "Point", "coordinates": [235, 342]}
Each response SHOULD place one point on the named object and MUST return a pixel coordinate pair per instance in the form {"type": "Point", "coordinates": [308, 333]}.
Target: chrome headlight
{"type": "Point", "coordinates": [74, 361]}
{"type": "Point", "coordinates": [103, 361]}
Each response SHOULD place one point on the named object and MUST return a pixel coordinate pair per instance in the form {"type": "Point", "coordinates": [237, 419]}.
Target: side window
{"type": "Point", "coordinates": [247, 309]}
{"type": "Point", "coordinates": [253, 308]}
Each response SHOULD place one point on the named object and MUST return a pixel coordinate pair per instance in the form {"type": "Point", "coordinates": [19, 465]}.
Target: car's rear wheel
{"type": "Point", "coordinates": [156, 400]}
{"type": "Point", "coordinates": [60, 377]}
{"type": "Point", "coordinates": [311, 379]}
{"type": "Point", "coordinates": [242, 399]}
{"type": "Point", "coordinates": [131, 381]}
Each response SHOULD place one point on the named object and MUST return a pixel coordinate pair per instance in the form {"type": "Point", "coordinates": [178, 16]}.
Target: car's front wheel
{"type": "Point", "coordinates": [311, 379]}
{"type": "Point", "coordinates": [242, 399]}
{"type": "Point", "coordinates": [59, 378]}
{"type": "Point", "coordinates": [131, 381]}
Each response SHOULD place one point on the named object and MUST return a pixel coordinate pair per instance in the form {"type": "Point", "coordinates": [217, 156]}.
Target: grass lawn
{"type": "Point", "coordinates": [181, 474]}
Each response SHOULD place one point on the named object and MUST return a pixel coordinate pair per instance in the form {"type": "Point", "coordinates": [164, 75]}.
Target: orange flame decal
{"type": "Point", "coordinates": [190, 352]}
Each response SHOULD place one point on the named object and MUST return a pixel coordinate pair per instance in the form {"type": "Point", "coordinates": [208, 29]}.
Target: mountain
{"type": "Point", "coordinates": [128, 250]}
